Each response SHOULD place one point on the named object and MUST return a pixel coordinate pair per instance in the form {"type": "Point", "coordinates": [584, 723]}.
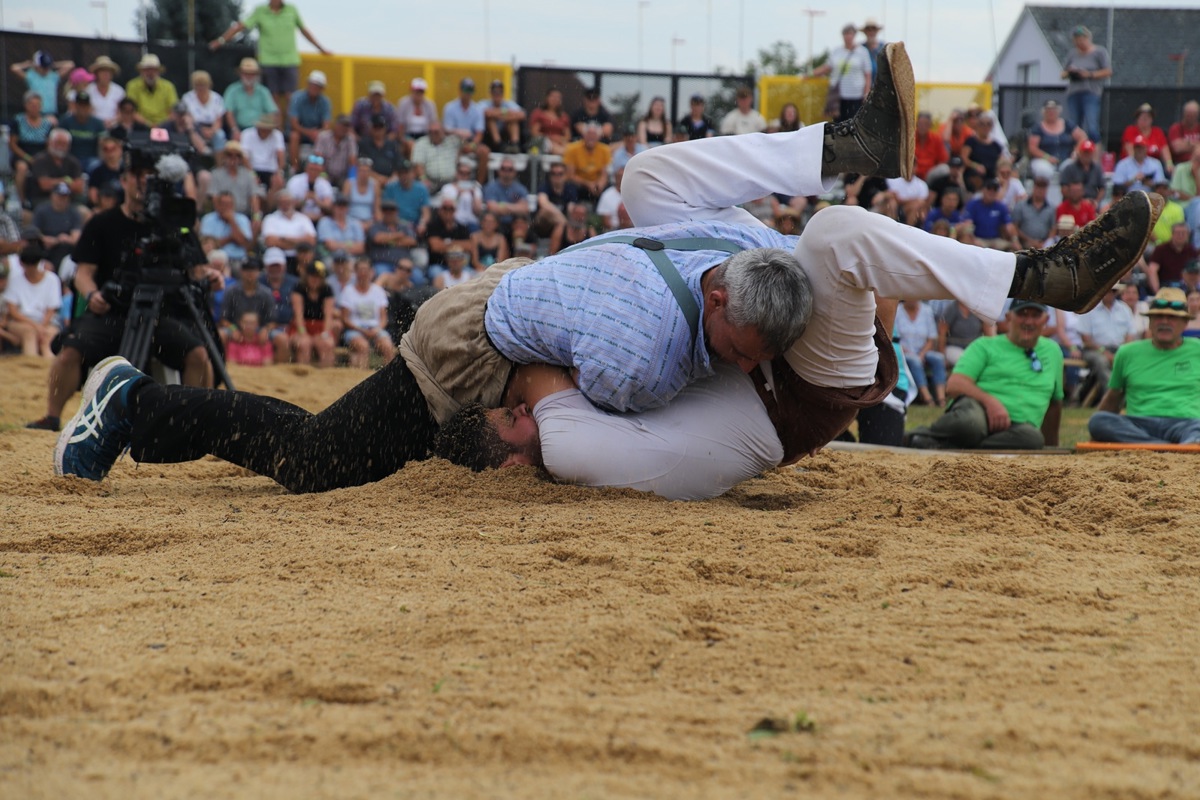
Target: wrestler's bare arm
{"type": "Point", "coordinates": [532, 382]}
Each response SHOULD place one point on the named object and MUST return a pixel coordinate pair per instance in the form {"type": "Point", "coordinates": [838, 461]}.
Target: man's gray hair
{"type": "Point", "coordinates": [768, 289]}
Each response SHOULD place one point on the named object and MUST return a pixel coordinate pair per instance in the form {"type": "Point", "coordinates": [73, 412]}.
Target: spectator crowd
{"type": "Point", "coordinates": [331, 229]}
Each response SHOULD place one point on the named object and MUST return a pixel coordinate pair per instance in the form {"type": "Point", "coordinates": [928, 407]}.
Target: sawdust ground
{"type": "Point", "coordinates": [943, 627]}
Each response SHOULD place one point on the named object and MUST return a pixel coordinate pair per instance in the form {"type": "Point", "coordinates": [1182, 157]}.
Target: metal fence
{"type": "Point", "coordinates": [627, 95]}
{"type": "Point", "coordinates": [1019, 107]}
{"type": "Point", "coordinates": [177, 58]}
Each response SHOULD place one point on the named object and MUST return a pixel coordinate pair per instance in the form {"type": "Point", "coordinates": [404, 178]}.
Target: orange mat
{"type": "Point", "coordinates": [1159, 448]}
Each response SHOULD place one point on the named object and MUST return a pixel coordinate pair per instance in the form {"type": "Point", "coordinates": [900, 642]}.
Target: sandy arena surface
{"type": "Point", "coordinates": [941, 627]}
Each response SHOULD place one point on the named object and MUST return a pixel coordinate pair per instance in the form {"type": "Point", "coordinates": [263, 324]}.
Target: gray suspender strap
{"type": "Point", "coordinates": [662, 262]}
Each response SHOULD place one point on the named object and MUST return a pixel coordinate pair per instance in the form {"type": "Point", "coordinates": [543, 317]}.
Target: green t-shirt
{"type": "Point", "coordinates": [153, 106]}
{"type": "Point", "coordinates": [1159, 383]}
{"type": "Point", "coordinates": [1004, 371]}
{"type": "Point", "coordinates": [1183, 181]}
{"type": "Point", "coordinates": [276, 34]}
{"type": "Point", "coordinates": [248, 108]}
{"type": "Point", "coordinates": [1172, 214]}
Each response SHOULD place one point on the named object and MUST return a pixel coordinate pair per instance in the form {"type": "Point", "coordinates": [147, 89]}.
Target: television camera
{"type": "Point", "coordinates": [155, 273]}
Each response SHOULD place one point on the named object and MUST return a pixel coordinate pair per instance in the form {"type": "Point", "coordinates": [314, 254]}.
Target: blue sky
{"type": "Point", "coordinates": [607, 33]}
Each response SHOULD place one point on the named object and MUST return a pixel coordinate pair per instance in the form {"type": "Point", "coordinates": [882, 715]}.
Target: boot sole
{"type": "Point", "coordinates": [1156, 206]}
{"type": "Point", "coordinates": [906, 87]}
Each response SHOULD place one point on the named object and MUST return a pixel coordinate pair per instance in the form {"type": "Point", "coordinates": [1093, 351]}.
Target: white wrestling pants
{"type": "Point", "coordinates": [846, 252]}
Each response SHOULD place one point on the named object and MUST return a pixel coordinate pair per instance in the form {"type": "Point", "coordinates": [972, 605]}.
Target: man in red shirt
{"type": "Point", "coordinates": [1184, 135]}
{"type": "Point", "coordinates": [1169, 259]}
{"type": "Point", "coordinates": [930, 149]}
{"type": "Point", "coordinates": [1075, 204]}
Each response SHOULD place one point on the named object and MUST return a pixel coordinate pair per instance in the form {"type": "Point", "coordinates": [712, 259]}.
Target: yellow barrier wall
{"type": "Point", "coordinates": [809, 96]}
{"type": "Point", "coordinates": [349, 75]}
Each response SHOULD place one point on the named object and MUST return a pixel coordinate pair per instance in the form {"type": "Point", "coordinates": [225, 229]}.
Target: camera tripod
{"type": "Point", "coordinates": [141, 322]}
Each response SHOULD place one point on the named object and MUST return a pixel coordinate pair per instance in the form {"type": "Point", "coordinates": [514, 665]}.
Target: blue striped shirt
{"type": "Point", "coordinates": [606, 311]}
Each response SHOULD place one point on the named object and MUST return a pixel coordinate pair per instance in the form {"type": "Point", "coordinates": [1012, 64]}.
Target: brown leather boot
{"type": "Point", "coordinates": [880, 140]}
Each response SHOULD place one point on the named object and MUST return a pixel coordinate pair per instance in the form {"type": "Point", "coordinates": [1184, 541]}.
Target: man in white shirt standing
{"type": "Point", "coordinates": [1102, 330]}
{"type": "Point", "coordinates": [849, 71]}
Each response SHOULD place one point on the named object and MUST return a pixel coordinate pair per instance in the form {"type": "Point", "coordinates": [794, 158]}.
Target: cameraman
{"type": "Point", "coordinates": [106, 240]}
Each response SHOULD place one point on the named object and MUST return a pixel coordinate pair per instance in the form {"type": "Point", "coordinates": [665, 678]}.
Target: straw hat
{"type": "Point", "coordinates": [1169, 302]}
{"type": "Point", "coordinates": [150, 61]}
{"type": "Point", "coordinates": [104, 62]}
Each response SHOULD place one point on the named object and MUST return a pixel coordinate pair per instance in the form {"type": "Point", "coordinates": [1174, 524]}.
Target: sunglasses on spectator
{"type": "Point", "coordinates": [1163, 305]}
{"type": "Point", "coordinates": [556, 173]}
{"type": "Point", "coordinates": [1035, 363]}
{"type": "Point", "coordinates": [316, 159]}
{"type": "Point", "coordinates": [507, 169]}
{"type": "Point", "coordinates": [404, 269]}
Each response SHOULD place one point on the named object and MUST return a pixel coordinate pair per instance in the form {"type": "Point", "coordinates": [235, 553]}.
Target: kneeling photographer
{"type": "Point", "coordinates": [144, 249]}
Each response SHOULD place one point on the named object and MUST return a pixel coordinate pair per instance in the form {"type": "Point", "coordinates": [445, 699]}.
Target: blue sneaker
{"type": "Point", "coordinates": [97, 435]}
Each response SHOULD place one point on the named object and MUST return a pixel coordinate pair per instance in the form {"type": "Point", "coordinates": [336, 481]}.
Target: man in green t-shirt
{"type": "Point", "coordinates": [1007, 390]}
{"type": "Point", "coordinates": [277, 23]}
{"type": "Point", "coordinates": [1158, 379]}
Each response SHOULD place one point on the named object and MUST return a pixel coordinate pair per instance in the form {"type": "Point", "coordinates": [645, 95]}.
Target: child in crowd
{"type": "Point", "coordinates": [364, 307]}
{"type": "Point", "coordinates": [248, 344]}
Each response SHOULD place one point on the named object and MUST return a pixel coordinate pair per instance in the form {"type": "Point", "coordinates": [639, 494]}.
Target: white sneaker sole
{"type": "Point", "coordinates": [94, 381]}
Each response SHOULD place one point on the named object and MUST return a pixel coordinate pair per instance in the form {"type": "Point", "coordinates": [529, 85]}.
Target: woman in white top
{"type": "Point", "coordinates": [105, 92]}
{"type": "Point", "coordinates": [207, 109]}
{"type": "Point", "coordinates": [364, 307]}
{"type": "Point", "coordinates": [34, 298]}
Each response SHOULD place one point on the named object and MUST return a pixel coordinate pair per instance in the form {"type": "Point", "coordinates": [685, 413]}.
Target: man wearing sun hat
{"type": "Point", "coordinates": [247, 100]}
{"type": "Point", "coordinates": [873, 43]}
{"type": "Point", "coordinates": [153, 94]}
{"type": "Point", "coordinates": [105, 91]}
{"type": "Point", "coordinates": [1158, 380]}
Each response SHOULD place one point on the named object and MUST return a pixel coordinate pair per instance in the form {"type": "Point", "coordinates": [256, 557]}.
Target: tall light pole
{"type": "Point", "coordinates": [191, 59]}
{"type": "Point", "coordinates": [741, 37]}
{"type": "Point", "coordinates": [710, 35]}
{"type": "Point", "coordinates": [675, 40]}
{"type": "Point", "coordinates": [811, 12]}
{"type": "Point", "coordinates": [104, 5]}
{"type": "Point", "coordinates": [641, 18]}
{"type": "Point", "coordinates": [487, 31]}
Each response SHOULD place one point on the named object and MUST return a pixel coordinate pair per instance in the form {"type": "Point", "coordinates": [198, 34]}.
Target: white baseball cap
{"type": "Point", "coordinates": [318, 77]}
{"type": "Point", "coordinates": [274, 256]}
